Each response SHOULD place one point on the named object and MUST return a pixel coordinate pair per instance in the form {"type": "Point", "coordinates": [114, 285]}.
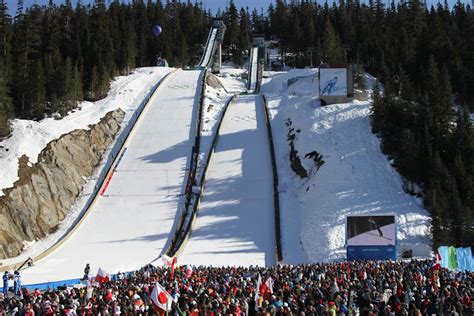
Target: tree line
{"type": "Point", "coordinates": [54, 55]}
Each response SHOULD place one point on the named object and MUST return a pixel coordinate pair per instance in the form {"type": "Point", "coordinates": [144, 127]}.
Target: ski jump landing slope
{"type": "Point", "coordinates": [128, 226]}
{"type": "Point", "coordinates": [235, 221]}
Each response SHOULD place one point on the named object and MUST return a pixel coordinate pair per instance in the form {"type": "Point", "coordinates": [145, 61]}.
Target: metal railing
{"type": "Point", "coordinates": [276, 194]}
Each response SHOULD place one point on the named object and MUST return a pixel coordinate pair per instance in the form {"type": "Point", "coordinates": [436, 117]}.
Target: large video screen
{"type": "Point", "coordinates": [376, 230]}
{"type": "Point", "coordinates": [332, 81]}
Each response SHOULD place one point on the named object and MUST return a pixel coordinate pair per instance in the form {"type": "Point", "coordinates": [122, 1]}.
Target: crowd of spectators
{"type": "Point", "coordinates": [343, 288]}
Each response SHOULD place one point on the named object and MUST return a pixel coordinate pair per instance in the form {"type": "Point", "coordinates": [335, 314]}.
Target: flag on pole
{"type": "Point", "coordinates": [444, 253]}
{"type": "Point", "coordinates": [102, 276]}
{"type": "Point", "coordinates": [167, 261]}
{"type": "Point", "coordinates": [452, 258]}
{"type": "Point", "coordinates": [269, 285]}
{"type": "Point", "coordinates": [173, 265]}
{"type": "Point", "coordinates": [257, 291]}
{"type": "Point", "coordinates": [437, 261]}
{"type": "Point", "coordinates": [161, 298]}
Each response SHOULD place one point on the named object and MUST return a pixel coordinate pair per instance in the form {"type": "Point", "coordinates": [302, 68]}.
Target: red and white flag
{"type": "Point", "coordinates": [437, 261]}
{"type": "Point", "coordinates": [269, 285]}
{"type": "Point", "coordinates": [161, 298]}
{"type": "Point", "coordinates": [259, 284]}
{"type": "Point", "coordinates": [257, 290]}
{"type": "Point", "coordinates": [164, 261]}
{"type": "Point", "coordinates": [102, 276]}
{"type": "Point", "coordinates": [173, 264]}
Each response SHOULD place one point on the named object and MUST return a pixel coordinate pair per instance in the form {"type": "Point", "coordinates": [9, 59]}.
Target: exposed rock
{"type": "Point", "coordinates": [213, 81]}
{"type": "Point", "coordinates": [296, 164]}
{"type": "Point", "coordinates": [45, 192]}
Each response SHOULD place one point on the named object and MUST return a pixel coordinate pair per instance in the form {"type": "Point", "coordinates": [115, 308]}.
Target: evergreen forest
{"type": "Point", "coordinates": [53, 56]}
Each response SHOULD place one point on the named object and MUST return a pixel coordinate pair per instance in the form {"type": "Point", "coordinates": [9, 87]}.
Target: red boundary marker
{"type": "Point", "coordinates": [107, 183]}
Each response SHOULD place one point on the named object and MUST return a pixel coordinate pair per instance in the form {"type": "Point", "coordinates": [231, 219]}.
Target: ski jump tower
{"type": "Point", "coordinates": [214, 47]}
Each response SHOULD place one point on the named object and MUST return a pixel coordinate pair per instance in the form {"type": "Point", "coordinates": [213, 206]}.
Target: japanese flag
{"type": "Point", "coordinates": [161, 298]}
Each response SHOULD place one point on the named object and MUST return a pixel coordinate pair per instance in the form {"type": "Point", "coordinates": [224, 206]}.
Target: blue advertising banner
{"type": "Point", "coordinates": [371, 253]}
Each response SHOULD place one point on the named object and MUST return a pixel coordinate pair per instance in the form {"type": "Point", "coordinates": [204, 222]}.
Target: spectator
{"type": "Point", "coordinates": [345, 288]}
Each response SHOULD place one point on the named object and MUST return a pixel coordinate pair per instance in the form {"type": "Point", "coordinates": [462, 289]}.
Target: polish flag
{"type": "Point", "coordinates": [167, 260]}
{"type": "Point", "coordinates": [102, 276]}
{"type": "Point", "coordinates": [173, 264]}
{"type": "Point", "coordinates": [161, 298]}
{"type": "Point", "coordinates": [163, 261]}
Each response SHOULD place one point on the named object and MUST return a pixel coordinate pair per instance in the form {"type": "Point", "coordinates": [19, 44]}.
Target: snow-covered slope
{"type": "Point", "coordinates": [30, 137]}
{"type": "Point", "coordinates": [235, 223]}
{"type": "Point", "coordinates": [355, 179]}
{"type": "Point", "coordinates": [129, 225]}
{"type": "Point", "coordinates": [206, 58]}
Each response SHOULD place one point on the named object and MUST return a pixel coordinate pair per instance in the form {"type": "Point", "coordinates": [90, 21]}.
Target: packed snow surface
{"type": "Point", "coordinates": [356, 178]}
{"type": "Point", "coordinates": [209, 48]}
{"type": "Point", "coordinates": [235, 222]}
{"type": "Point", "coordinates": [129, 225]}
{"type": "Point", "coordinates": [30, 137]}
{"type": "Point", "coordinates": [253, 68]}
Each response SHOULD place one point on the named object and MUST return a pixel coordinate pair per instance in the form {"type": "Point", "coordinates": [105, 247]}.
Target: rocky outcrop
{"type": "Point", "coordinates": [45, 191]}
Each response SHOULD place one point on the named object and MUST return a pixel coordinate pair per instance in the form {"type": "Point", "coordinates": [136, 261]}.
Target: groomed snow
{"type": "Point", "coordinates": [235, 223]}
{"type": "Point", "coordinates": [130, 225]}
{"type": "Point", "coordinates": [30, 137]}
{"type": "Point", "coordinates": [254, 68]}
{"type": "Point", "coordinates": [235, 226]}
{"type": "Point", "coordinates": [357, 177]}
{"type": "Point", "coordinates": [209, 48]}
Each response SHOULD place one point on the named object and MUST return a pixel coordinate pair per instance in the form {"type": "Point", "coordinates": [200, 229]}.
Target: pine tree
{"type": "Point", "coordinates": [332, 48]}
{"type": "Point", "coordinates": [5, 35]}
{"type": "Point", "coordinates": [6, 110]}
{"type": "Point", "coordinates": [245, 35]}
{"type": "Point", "coordinates": [231, 38]}
{"type": "Point", "coordinates": [378, 110]}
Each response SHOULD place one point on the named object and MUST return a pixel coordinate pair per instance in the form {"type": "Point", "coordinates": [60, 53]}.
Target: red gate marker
{"type": "Point", "coordinates": [107, 183]}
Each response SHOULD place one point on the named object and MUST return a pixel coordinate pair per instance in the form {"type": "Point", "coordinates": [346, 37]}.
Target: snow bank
{"type": "Point", "coordinates": [355, 179]}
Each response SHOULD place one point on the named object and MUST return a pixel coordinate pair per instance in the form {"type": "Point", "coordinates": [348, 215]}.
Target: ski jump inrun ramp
{"type": "Point", "coordinates": [129, 225]}
{"type": "Point", "coordinates": [253, 71]}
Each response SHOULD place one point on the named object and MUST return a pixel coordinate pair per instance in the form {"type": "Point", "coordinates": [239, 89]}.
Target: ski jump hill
{"type": "Point", "coordinates": [204, 175]}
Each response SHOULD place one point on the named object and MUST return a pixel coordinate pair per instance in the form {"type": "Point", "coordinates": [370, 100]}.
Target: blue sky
{"type": "Point", "coordinates": [212, 4]}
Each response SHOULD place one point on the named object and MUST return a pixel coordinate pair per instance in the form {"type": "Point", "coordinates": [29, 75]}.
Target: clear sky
{"type": "Point", "coordinates": [212, 4]}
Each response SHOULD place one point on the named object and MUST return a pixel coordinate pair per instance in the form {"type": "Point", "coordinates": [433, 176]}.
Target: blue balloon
{"type": "Point", "coordinates": [157, 30]}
